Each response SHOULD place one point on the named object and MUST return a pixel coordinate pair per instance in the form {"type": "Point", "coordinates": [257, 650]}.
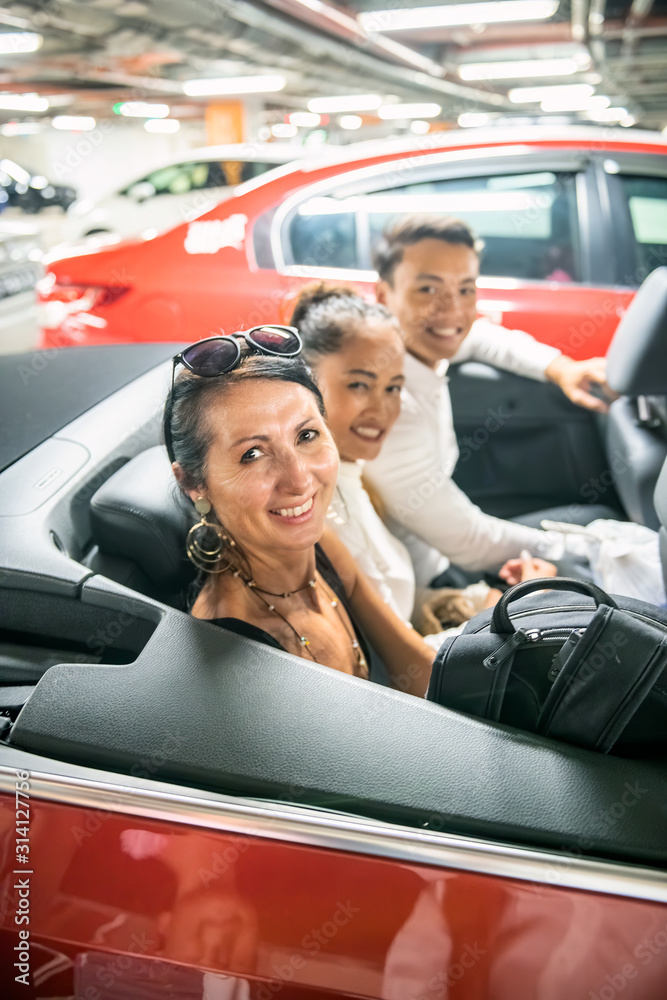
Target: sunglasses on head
{"type": "Point", "coordinates": [219, 355]}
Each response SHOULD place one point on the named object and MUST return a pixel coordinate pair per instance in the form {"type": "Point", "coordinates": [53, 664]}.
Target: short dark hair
{"type": "Point", "coordinates": [187, 431]}
{"type": "Point", "coordinates": [410, 229]}
{"type": "Point", "coordinates": [326, 314]}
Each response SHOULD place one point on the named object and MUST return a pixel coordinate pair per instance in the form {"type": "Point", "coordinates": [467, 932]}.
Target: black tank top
{"type": "Point", "coordinates": [377, 672]}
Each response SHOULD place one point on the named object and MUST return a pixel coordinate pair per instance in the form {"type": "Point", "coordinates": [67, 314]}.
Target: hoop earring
{"type": "Point", "coordinates": [206, 541]}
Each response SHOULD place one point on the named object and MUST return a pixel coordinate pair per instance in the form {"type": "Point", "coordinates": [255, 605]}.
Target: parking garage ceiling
{"type": "Point", "coordinates": [96, 53]}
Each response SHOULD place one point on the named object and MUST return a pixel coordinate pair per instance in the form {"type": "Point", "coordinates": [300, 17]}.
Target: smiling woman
{"type": "Point", "coordinates": [250, 447]}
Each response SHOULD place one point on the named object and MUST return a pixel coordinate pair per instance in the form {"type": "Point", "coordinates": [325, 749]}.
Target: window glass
{"type": "Point", "coordinates": [647, 203]}
{"type": "Point", "coordinates": [527, 222]}
{"type": "Point", "coordinates": [323, 233]}
{"type": "Point", "coordinates": [254, 168]}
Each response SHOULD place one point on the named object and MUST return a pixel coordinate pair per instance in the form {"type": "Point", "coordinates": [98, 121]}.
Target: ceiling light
{"type": "Point", "coordinates": [419, 127]}
{"type": "Point", "coordinates": [608, 114]}
{"type": "Point", "coordinates": [141, 109]}
{"type": "Point", "coordinates": [628, 121]}
{"type": "Point", "coordinates": [392, 111]}
{"type": "Point", "coordinates": [23, 102]}
{"type": "Point", "coordinates": [472, 119]}
{"type": "Point", "coordinates": [74, 123]}
{"type": "Point", "coordinates": [16, 172]}
{"type": "Point", "coordinates": [460, 13]}
{"type": "Point", "coordinates": [235, 85]}
{"type": "Point", "coordinates": [284, 131]}
{"type": "Point", "coordinates": [162, 125]}
{"type": "Point", "coordinates": [530, 95]}
{"type": "Point", "coordinates": [595, 103]}
{"type": "Point", "coordinates": [349, 102]}
{"type": "Point", "coordinates": [350, 122]}
{"type": "Point", "coordinates": [20, 128]}
{"type": "Point", "coordinates": [15, 42]}
{"type": "Point", "coordinates": [523, 69]}
{"type": "Point", "coordinates": [304, 119]}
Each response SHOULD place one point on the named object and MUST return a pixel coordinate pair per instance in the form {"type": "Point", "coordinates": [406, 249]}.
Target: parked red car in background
{"type": "Point", "coordinates": [572, 222]}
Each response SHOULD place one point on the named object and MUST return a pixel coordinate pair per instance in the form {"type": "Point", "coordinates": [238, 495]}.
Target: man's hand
{"type": "Point", "coordinates": [526, 568]}
{"type": "Point", "coordinates": [576, 378]}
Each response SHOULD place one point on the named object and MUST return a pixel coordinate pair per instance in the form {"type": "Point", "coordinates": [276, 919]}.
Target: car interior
{"type": "Point", "coordinates": [101, 667]}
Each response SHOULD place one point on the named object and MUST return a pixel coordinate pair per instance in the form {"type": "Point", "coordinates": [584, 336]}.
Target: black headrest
{"type": "Point", "coordinates": [139, 513]}
{"type": "Point", "coordinates": [660, 496]}
{"type": "Point", "coordinates": [637, 358]}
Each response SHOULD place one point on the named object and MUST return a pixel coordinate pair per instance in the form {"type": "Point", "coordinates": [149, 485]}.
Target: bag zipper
{"type": "Point", "coordinates": [545, 637]}
{"type": "Point", "coordinates": [578, 607]}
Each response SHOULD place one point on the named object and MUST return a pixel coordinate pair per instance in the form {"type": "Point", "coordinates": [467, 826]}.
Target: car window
{"type": "Point", "coordinates": [527, 222]}
{"type": "Point", "coordinates": [647, 204]}
{"type": "Point", "coordinates": [323, 233]}
{"type": "Point", "coordinates": [239, 171]}
{"type": "Point", "coordinates": [181, 178]}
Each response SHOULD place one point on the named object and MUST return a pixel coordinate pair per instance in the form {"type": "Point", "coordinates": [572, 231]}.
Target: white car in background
{"type": "Point", "coordinates": [179, 190]}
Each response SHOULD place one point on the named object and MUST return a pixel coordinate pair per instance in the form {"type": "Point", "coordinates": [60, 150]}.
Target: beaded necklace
{"type": "Point", "coordinates": [303, 640]}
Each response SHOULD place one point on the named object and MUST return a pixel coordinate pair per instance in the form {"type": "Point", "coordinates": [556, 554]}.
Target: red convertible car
{"type": "Point", "coordinates": [572, 222]}
{"type": "Point", "coordinates": [186, 813]}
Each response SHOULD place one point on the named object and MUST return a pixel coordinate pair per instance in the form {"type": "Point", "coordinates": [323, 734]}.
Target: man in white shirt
{"type": "Point", "coordinates": [427, 269]}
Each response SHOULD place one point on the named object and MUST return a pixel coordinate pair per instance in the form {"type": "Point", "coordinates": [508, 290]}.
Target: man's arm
{"type": "Point", "coordinates": [412, 481]}
{"type": "Point", "coordinates": [518, 352]}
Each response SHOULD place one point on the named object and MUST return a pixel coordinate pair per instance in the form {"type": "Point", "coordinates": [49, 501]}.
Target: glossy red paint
{"type": "Point", "coordinates": [124, 907]}
{"type": "Point", "coordinates": [159, 291]}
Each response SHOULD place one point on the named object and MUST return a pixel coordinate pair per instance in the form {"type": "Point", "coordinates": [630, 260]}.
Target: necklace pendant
{"type": "Point", "coordinates": [312, 583]}
{"type": "Point", "coordinates": [304, 641]}
{"type": "Point", "coordinates": [271, 607]}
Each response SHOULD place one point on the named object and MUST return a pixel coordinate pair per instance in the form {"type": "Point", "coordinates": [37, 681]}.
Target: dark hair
{"type": "Point", "coordinates": [410, 229]}
{"type": "Point", "coordinates": [187, 430]}
{"type": "Point", "coordinates": [325, 314]}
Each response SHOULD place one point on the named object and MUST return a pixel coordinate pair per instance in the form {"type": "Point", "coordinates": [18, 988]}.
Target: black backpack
{"type": "Point", "coordinates": [588, 670]}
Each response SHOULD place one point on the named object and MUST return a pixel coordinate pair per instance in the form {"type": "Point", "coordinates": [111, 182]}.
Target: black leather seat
{"type": "Point", "coordinates": [139, 520]}
{"type": "Point", "coordinates": [637, 425]}
{"type": "Point", "coordinates": [660, 498]}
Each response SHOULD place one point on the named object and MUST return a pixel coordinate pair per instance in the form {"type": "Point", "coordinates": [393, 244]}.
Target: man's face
{"type": "Point", "coordinates": [433, 296]}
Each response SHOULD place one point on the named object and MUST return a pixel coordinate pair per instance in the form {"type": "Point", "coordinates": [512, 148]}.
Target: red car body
{"type": "Point", "coordinates": [156, 898]}
{"type": "Point", "coordinates": [231, 268]}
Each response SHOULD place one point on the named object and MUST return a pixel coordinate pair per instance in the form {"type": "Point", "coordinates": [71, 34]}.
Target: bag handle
{"type": "Point", "coordinates": [501, 622]}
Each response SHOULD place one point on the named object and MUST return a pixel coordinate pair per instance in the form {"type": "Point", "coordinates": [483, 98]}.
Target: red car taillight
{"type": "Point", "coordinates": [74, 308]}
{"type": "Point", "coordinates": [82, 297]}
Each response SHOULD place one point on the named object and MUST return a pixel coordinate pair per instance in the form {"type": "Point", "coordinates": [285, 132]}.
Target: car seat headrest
{"type": "Point", "coordinates": [140, 514]}
{"type": "Point", "coordinates": [637, 358]}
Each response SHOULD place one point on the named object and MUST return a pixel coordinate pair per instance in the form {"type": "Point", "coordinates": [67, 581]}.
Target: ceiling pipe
{"type": "Point", "coordinates": [366, 51]}
{"type": "Point", "coordinates": [596, 19]}
{"type": "Point", "coordinates": [580, 21]}
{"type": "Point", "coordinates": [637, 15]}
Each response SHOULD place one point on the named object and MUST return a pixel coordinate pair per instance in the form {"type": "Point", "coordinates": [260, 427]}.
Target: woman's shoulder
{"type": "Point", "coordinates": [333, 552]}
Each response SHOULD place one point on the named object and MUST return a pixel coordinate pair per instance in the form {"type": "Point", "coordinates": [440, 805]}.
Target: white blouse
{"type": "Point", "coordinates": [385, 561]}
{"type": "Point", "coordinates": [382, 557]}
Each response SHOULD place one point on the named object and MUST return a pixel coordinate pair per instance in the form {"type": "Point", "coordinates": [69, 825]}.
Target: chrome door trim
{"type": "Point", "coordinates": [343, 832]}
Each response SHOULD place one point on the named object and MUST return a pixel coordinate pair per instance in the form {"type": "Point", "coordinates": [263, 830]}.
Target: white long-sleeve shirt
{"type": "Point", "coordinates": [413, 472]}
{"type": "Point", "coordinates": [382, 557]}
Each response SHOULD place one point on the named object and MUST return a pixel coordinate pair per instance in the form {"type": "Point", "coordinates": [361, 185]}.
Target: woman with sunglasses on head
{"type": "Point", "coordinates": [356, 350]}
{"type": "Point", "coordinates": [245, 430]}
